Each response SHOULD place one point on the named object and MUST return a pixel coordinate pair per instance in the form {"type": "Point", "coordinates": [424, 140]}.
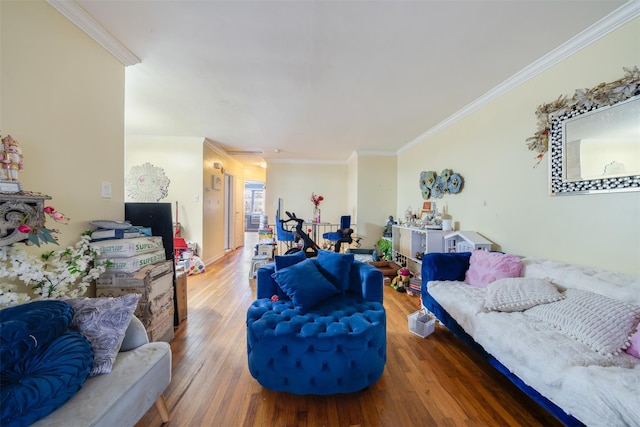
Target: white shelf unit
{"type": "Point", "coordinates": [406, 242]}
{"type": "Point", "coordinates": [465, 241]}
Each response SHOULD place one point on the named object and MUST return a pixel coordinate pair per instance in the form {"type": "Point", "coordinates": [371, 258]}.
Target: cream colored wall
{"type": "Point", "coordinates": [364, 187]}
{"type": "Point", "coordinates": [213, 207]}
{"type": "Point", "coordinates": [62, 98]}
{"type": "Point", "coordinates": [352, 189]}
{"type": "Point", "coordinates": [505, 198]}
{"type": "Point", "coordinates": [376, 199]}
{"type": "Point", "coordinates": [188, 163]}
{"type": "Point", "coordinates": [181, 160]}
{"type": "Point", "coordinates": [254, 173]}
{"type": "Point", "coordinates": [295, 182]}
{"type": "Point", "coordinates": [214, 201]}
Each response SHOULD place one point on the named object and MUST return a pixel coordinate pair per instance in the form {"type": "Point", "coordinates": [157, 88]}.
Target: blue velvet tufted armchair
{"type": "Point", "coordinates": [318, 325]}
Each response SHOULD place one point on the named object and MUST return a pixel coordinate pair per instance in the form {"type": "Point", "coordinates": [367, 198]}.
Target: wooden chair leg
{"type": "Point", "coordinates": [161, 405]}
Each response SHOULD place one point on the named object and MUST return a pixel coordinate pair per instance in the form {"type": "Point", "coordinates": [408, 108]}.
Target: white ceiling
{"type": "Point", "coordinates": [319, 80]}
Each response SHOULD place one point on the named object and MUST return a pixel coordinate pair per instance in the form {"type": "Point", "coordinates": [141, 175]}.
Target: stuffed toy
{"type": "Point", "coordinates": [401, 282]}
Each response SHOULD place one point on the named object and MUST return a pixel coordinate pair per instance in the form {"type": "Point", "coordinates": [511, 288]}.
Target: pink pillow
{"type": "Point", "coordinates": [486, 267]}
{"type": "Point", "coordinates": [634, 348]}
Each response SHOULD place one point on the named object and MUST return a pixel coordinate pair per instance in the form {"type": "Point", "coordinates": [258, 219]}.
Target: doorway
{"type": "Point", "coordinates": [254, 206]}
{"type": "Point", "coordinates": [229, 217]}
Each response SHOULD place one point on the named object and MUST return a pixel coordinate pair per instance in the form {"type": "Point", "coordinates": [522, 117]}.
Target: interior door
{"type": "Point", "coordinates": [238, 225]}
{"type": "Point", "coordinates": [229, 212]}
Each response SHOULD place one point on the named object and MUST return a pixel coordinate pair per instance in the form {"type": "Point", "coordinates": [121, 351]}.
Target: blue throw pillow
{"type": "Point", "coordinates": [28, 327]}
{"type": "Point", "coordinates": [336, 267]}
{"type": "Point", "coordinates": [36, 386]}
{"type": "Point", "coordinates": [445, 266]}
{"type": "Point", "coordinates": [284, 261]}
{"type": "Point", "coordinates": [304, 285]}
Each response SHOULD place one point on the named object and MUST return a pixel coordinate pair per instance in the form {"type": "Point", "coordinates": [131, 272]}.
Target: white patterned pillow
{"type": "Point", "coordinates": [104, 322]}
{"type": "Point", "coordinates": [602, 323]}
{"type": "Point", "coordinates": [520, 293]}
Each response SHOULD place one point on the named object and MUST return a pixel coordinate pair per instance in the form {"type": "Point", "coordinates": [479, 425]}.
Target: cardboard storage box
{"type": "Point", "coordinates": [138, 279]}
{"type": "Point", "coordinates": [135, 263]}
{"type": "Point", "coordinates": [162, 329]}
{"type": "Point", "coordinates": [149, 291]}
{"type": "Point", "coordinates": [149, 311]}
{"type": "Point", "coordinates": [123, 248]}
{"type": "Point", "coordinates": [156, 305]}
{"type": "Point", "coordinates": [181, 295]}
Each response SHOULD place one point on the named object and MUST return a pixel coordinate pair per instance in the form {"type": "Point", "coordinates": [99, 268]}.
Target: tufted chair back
{"type": "Point", "coordinates": [364, 280]}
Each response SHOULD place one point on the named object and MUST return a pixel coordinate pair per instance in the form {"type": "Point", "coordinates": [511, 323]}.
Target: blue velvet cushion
{"type": "Point", "coordinates": [445, 266]}
{"type": "Point", "coordinates": [284, 261]}
{"type": "Point", "coordinates": [304, 285]}
{"type": "Point", "coordinates": [28, 327]}
{"type": "Point", "coordinates": [335, 267]}
{"type": "Point", "coordinates": [36, 386]}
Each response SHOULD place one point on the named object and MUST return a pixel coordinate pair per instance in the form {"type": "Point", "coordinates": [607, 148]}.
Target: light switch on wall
{"type": "Point", "coordinates": [105, 190]}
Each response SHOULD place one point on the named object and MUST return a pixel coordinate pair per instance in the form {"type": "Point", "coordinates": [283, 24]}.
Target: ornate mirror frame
{"type": "Point", "coordinates": [560, 182]}
{"type": "Point", "coordinates": [549, 136]}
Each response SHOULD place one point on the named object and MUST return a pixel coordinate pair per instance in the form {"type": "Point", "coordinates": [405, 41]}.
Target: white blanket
{"type": "Point", "coordinates": [596, 389]}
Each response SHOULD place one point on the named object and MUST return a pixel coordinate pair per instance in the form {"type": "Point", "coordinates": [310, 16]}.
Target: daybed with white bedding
{"type": "Point", "coordinates": [549, 330]}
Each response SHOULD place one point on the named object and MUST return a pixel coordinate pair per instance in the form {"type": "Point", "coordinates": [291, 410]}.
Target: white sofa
{"type": "Point", "coordinates": [555, 369]}
{"type": "Point", "coordinates": [140, 374]}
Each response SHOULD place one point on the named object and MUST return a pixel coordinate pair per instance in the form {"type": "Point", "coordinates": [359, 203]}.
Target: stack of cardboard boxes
{"type": "Point", "coordinates": [139, 265]}
{"type": "Point", "coordinates": [266, 243]}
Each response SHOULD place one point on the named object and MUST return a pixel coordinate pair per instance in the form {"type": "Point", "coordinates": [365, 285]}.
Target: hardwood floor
{"type": "Point", "coordinates": [434, 381]}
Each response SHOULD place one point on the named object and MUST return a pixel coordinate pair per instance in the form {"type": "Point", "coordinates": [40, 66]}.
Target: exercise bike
{"type": "Point", "coordinates": [309, 247]}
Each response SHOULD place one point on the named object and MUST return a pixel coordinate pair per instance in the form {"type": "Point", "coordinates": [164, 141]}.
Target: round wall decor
{"type": "Point", "coordinates": [147, 183]}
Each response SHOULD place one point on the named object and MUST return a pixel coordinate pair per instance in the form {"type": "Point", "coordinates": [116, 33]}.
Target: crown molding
{"type": "Point", "coordinates": [373, 153]}
{"type": "Point", "coordinates": [78, 16]}
{"type": "Point", "coordinates": [616, 19]}
{"type": "Point", "coordinates": [164, 138]}
{"type": "Point", "coordinates": [306, 161]}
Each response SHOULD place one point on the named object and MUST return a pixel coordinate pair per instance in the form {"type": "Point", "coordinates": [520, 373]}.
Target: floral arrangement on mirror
{"type": "Point", "coordinates": [603, 95]}
{"type": "Point", "coordinates": [436, 186]}
{"type": "Point", "coordinates": [55, 274]}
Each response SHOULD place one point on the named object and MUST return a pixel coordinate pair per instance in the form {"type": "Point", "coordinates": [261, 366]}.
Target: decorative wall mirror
{"type": "Point", "coordinates": [595, 151]}
{"type": "Point", "coordinates": [593, 138]}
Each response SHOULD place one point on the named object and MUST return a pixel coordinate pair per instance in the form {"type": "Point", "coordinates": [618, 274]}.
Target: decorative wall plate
{"type": "Point", "coordinates": [147, 183]}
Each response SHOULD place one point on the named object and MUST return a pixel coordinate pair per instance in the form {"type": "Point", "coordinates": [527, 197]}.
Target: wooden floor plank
{"type": "Point", "coordinates": [435, 381]}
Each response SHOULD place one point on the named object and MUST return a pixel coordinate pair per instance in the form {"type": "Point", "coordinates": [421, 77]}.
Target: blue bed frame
{"type": "Point", "coordinates": [434, 307]}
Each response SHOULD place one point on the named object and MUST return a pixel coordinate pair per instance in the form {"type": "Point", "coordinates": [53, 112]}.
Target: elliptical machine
{"type": "Point", "coordinates": [309, 247]}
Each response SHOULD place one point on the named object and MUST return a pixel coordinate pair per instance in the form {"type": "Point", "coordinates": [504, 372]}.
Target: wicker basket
{"type": "Point", "coordinates": [421, 323]}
